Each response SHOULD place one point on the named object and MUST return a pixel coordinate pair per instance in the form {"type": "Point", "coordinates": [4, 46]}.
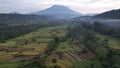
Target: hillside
{"type": "Point", "coordinates": [113, 14]}
{"type": "Point", "coordinates": [14, 25]}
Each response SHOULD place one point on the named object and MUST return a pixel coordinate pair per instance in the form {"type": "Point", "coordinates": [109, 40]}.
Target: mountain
{"type": "Point", "coordinates": [113, 14]}
{"type": "Point", "coordinates": [58, 11]}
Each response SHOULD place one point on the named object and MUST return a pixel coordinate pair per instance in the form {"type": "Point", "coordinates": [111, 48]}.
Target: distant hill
{"type": "Point", "coordinates": [14, 13]}
{"type": "Point", "coordinates": [15, 25]}
{"type": "Point", "coordinates": [91, 14]}
{"type": "Point", "coordinates": [113, 14]}
{"type": "Point", "coordinates": [21, 18]}
{"type": "Point", "coordinates": [59, 12]}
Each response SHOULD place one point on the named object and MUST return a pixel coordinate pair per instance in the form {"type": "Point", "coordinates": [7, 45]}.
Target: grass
{"type": "Point", "coordinates": [9, 64]}
{"type": "Point", "coordinates": [80, 64]}
{"type": "Point", "coordinates": [61, 63]}
{"type": "Point", "coordinates": [8, 43]}
{"type": "Point", "coordinates": [86, 64]}
{"type": "Point", "coordinates": [112, 42]}
{"type": "Point", "coordinates": [44, 40]}
{"type": "Point", "coordinates": [67, 47]}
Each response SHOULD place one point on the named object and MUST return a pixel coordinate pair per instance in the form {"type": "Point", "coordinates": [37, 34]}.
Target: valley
{"type": "Point", "coordinates": [56, 46]}
{"type": "Point", "coordinates": [66, 35]}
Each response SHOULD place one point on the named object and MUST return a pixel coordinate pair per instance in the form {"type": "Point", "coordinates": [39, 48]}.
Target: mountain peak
{"type": "Point", "coordinates": [58, 6]}
{"type": "Point", "coordinates": [58, 10]}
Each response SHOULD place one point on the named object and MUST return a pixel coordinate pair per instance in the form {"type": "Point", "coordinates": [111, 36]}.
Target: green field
{"type": "Point", "coordinates": [112, 42]}
{"type": "Point", "coordinates": [29, 45]}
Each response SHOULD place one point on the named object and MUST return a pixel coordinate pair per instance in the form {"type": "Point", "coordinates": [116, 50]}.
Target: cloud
{"type": "Point", "coordinates": [83, 6]}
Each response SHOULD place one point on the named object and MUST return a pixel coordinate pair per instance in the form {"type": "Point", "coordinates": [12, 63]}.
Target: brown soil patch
{"type": "Point", "coordinates": [13, 49]}
{"type": "Point", "coordinates": [87, 56]}
{"type": "Point", "coordinates": [23, 57]}
{"type": "Point", "coordinates": [57, 56]}
{"type": "Point", "coordinates": [6, 57]}
{"type": "Point", "coordinates": [79, 57]}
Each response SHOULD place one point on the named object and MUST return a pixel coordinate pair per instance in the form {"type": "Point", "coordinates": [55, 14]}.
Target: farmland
{"type": "Point", "coordinates": [27, 46]}
{"type": "Point", "coordinates": [56, 47]}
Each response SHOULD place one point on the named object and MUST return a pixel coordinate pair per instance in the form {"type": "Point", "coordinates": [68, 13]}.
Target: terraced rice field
{"type": "Point", "coordinates": [27, 46]}
{"type": "Point", "coordinates": [112, 42]}
{"type": "Point", "coordinates": [70, 52]}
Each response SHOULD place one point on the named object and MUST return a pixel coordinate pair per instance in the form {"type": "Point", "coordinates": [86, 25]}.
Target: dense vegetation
{"type": "Point", "coordinates": [14, 25]}
{"type": "Point", "coordinates": [102, 29]}
{"type": "Point", "coordinates": [105, 54]}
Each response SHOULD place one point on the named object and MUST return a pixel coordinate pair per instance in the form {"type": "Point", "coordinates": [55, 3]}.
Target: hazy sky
{"type": "Point", "coordinates": [82, 6]}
